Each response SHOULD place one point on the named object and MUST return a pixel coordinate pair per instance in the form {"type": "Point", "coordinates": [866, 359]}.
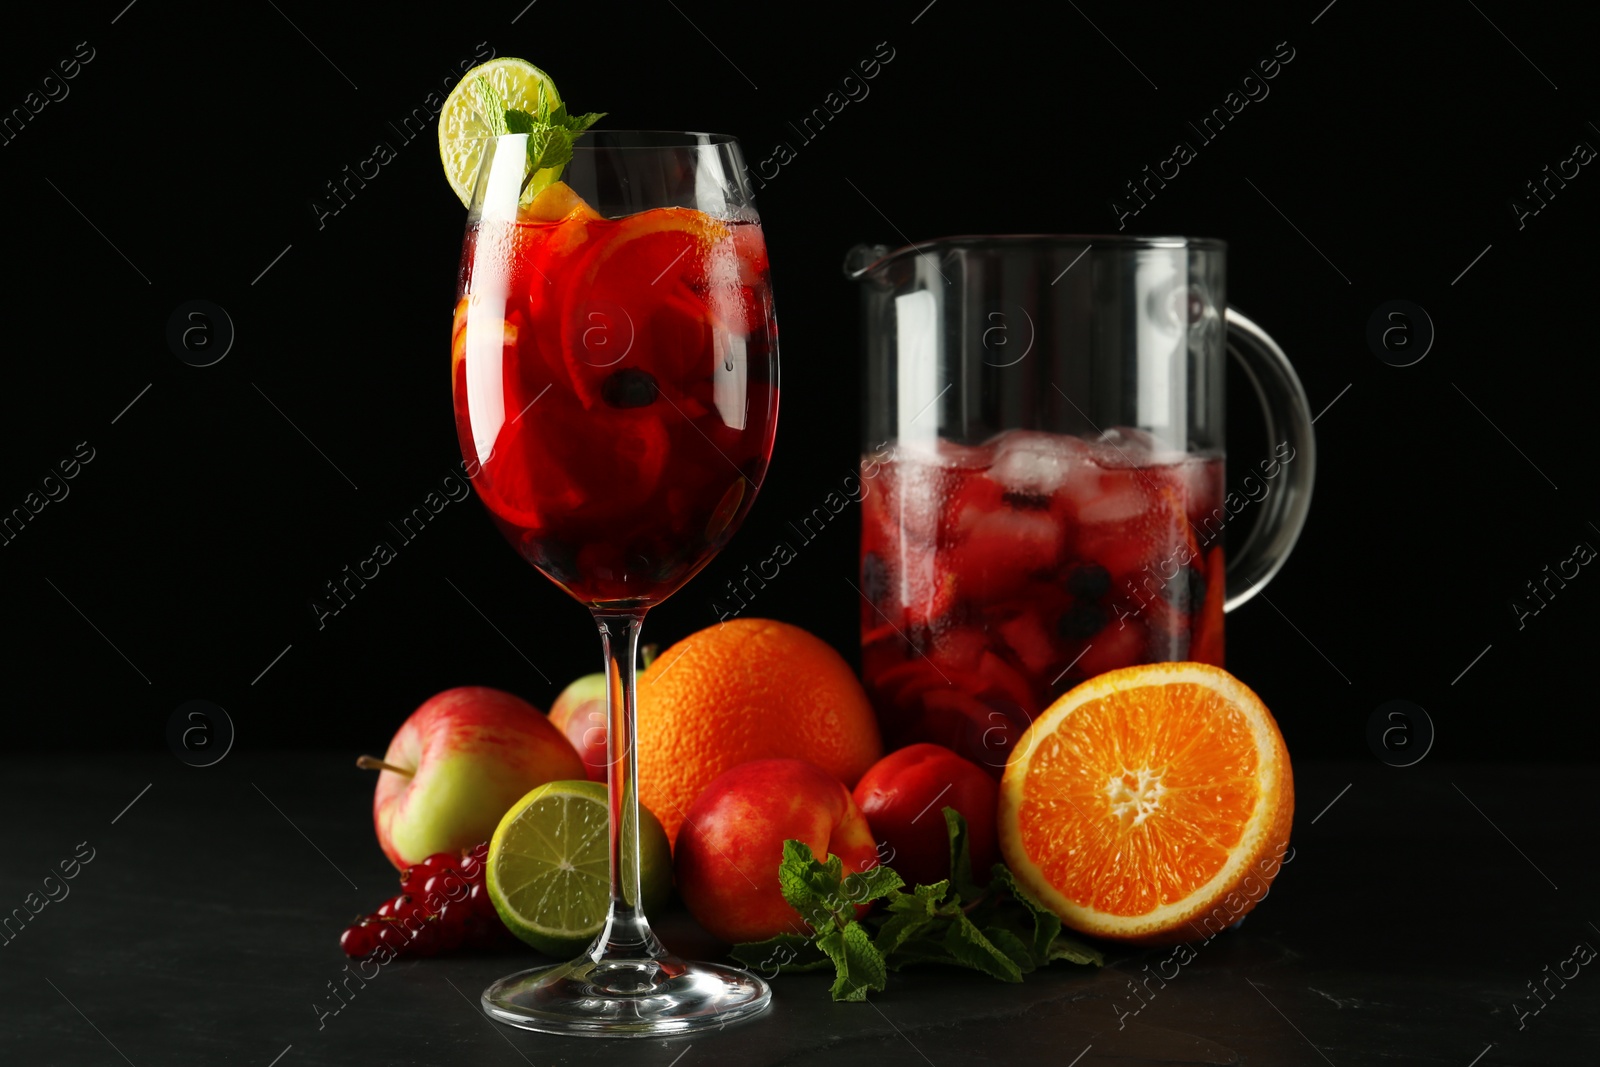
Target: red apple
{"type": "Point", "coordinates": [903, 795]}
{"type": "Point", "coordinates": [580, 713]}
{"type": "Point", "coordinates": [455, 767]}
{"type": "Point", "coordinates": [731, 844]}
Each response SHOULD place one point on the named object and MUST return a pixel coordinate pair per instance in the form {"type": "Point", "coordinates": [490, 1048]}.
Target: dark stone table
{"type": "Point", "coordinates": [1419, 905]}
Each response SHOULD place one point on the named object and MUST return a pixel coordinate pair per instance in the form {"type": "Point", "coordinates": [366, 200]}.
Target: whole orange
{"type": "Point", "coordinates": [745, 690]}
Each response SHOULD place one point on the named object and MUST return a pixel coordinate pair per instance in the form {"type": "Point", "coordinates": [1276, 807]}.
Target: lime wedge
{"type": "Point", "coordinates": [463, 123]}
{"type": "Point", "coordinates": [548, 870]}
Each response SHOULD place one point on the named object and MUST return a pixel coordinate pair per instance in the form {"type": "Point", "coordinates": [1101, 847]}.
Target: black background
{"type": "Point", "coordinates": [187, 155]}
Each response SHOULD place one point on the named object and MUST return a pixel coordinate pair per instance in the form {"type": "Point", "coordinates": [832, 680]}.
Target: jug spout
{"type": "Point", "coordinates": [861, 259]}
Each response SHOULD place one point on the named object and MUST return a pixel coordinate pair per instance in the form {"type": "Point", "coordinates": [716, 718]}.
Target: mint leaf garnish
{"type": "Point", "coordinates": [578, 123]}
{"type": "Point", "coordinates": [1001, 929]}
{"type": "Point", "coordinates": [1013, 947]}
{"type": "Point", "coordinates": [551, 131]}
{"type": "Point", "coordinates": [1046, 925]}
{"type": "Point", "coordinates": [909, 914]}
{"type": "Point", "coordinates": [1073, 951]}
{"type": "Point", "coordinates": [549, 146]}
{"type": "Point", "coordinates": [870, 884]}
{"type": "Point", "coordinates": [519, 121]}
{"type": "Point", "coordinates": [858, 964]}
{"type": "Point", "coordinates": [970, 948]}
{"type": "Point", "coordinates": [807, 885]}
{"type": "Point", "coordinates": [492, 108]}
{"type": "Point", "coordinates": [960, 855]}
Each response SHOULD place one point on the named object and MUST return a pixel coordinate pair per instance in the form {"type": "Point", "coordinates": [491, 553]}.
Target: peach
{"type": "Point", "coordinates": [731, 844]}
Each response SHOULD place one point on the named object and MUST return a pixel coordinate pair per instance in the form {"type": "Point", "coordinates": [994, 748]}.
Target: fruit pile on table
{"type": "Point", "coordinates": [1147, 806]}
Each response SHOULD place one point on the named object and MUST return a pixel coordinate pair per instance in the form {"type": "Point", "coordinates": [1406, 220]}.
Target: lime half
{"type": "Point", "coordinates": [463, 124]}
{"type": "Point", "coordinates": [549, 873]}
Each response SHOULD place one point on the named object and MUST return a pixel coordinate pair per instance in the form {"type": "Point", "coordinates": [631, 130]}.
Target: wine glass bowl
{"type": "Point", "coordinates": [615, 380]}
{"type": "Point", "coordinates": [616, 365]}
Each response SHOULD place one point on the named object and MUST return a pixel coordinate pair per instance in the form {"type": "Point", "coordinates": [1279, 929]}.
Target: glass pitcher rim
{"type": "Point", "coordinates": [1117, 240]}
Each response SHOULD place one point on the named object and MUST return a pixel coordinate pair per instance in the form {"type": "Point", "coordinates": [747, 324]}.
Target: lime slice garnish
{"type": "Point", "coordinates": [463, 124]}
{"type": "Point", "coordinates": [548, 872]}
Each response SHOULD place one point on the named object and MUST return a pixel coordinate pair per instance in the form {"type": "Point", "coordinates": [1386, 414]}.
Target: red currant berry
{"type": "Point", "coordinates": [388, 908]}
{"type": "Point", "coordinates": [472, 862]}
{"type": "Point", "coordinates": [459, 913]}
{"type": "Point", "coordinates": [448, 885]}
{"type": "Point", "coordinates": [358, 940]}
{"type": "Point", "coordinates": [412, 877]}
{"type": "Point", "coordinates": [482, 906]}
{"type": "Point", "coordinates": [409, 912]}
{"type": "Point", "coordinates": [390, 936]}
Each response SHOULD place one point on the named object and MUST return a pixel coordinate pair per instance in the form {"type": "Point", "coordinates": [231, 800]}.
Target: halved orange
{"type": "Point", "coordinates": [1150, 804]}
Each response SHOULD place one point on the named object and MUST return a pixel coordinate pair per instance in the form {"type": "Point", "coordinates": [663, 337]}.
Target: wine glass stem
{"type": "Point", "coordinates": [627, 935]}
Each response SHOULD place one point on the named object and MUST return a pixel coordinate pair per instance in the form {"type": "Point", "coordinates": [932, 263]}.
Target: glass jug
{"type": "Point", "coordinates": [1042, 477]}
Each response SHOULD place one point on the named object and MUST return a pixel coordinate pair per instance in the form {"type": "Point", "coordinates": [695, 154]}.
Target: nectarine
{"type": "Point", "coordinates": [903, 796]}
{"type": "Point", "coordinates": [731, 844]}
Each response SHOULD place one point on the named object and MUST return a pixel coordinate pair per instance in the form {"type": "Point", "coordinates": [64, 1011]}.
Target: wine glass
{"type": "Point", "coordinates": [615, 372]}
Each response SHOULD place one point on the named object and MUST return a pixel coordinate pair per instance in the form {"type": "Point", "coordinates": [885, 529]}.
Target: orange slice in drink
{"type": "Point", "coordinates": [556, 202]}
{"type": "Point", "coordinates": [628, 300]}
{"type": "Point", "coordinates": [1150, 804]}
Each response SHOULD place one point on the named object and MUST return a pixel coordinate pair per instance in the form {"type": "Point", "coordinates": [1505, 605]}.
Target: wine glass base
{"type": "Point", "coordinates": [626, 998]}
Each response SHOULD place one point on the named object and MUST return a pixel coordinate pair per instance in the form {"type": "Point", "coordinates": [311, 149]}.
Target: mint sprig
{"type": "Point", "coordinates": [551, 131]}
{"type": "Point", "coordinates": [999, 929]}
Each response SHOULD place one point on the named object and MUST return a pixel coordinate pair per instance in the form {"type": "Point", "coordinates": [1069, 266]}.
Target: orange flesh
{"type": "Point", "coordinates": [1163, 780]}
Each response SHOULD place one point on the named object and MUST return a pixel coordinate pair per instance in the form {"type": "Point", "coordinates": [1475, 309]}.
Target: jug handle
{"type": "Point", "coordinates": [1288, 419]}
